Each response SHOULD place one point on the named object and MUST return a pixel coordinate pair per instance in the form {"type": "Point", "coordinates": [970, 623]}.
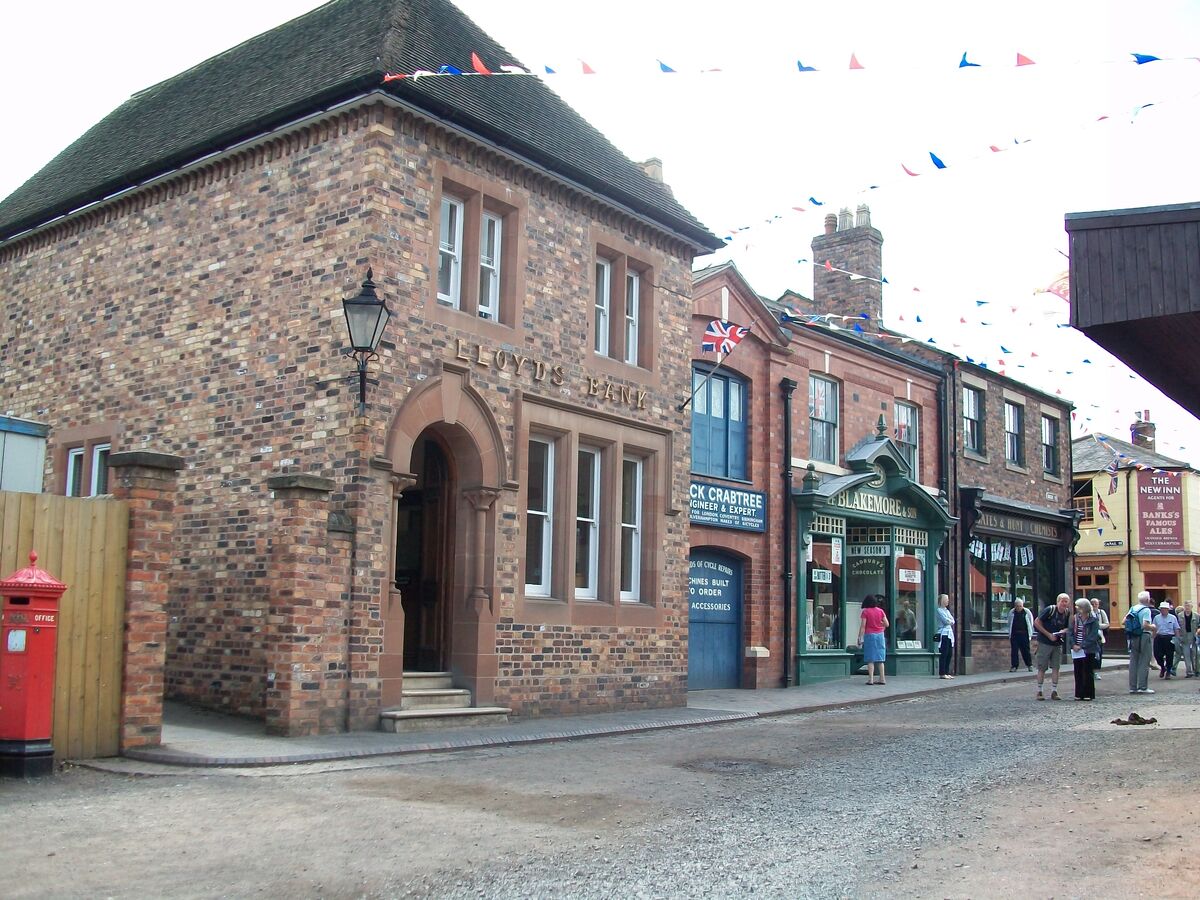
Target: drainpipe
{"type": "Point", "coordinates": [786, 387]}
{"type": "Point", "coordinates": [1128, 540]}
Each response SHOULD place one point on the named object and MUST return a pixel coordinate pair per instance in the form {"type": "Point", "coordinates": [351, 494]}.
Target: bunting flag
{"type": "Point", "coordinates": [721, 336]}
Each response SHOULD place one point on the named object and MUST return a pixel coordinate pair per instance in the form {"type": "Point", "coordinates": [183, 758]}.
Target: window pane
{"type": "Point", "coordinates": [100, 469]}
{"type": "Point", "coordinates": [534, 563]}
{"type": "Point", "coordinates": [979, 585]}
{"type": "Point", "coordinates": [538, 464]}
{"type": "Point", "coordinates": [700, 403]}
{"type": "Point", "coordinates": [718, 397]}
{"type": "Point", "coordinates": [587, 502]}
{"type": "Point", "coordinates": [603, 296]}
{"type": "Point", "coordinates": [583, 556]}
{"type": "Point", "coordinates": [735, 401]}
{"type": "Point", "coordinates": [629, 492]}
{"type": "Point", "coordinates": [586, 485]}
{"type": "Point", "coordinates": [631, 536]}
{"type": "Point", "coordinates": [74, 484]}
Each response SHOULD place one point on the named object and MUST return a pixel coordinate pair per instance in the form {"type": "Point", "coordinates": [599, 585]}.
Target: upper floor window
{"type": "Point", "coordinates": [972, 405]}
{"type": "Point", "coordinates": [822, 419]}
{"type": "Point", "coordinates": [1083, 498]}
{"type": "Point", "coordinates": [633, 312]}
{"type": "Point", "coordinates": [539, 518]}
{"type": "Point", "coordinates": [491, 234]}
{"type": "Point", "coordinates": [620, 306]}
{"type": "Point", "coordinates": [450, 241]}
{"type": "Point", "coordinates": [1014, 433]}
{"type": "Point", "coordinates": [477, 262]}
{"type": "Point", "coordinates": [602, 306]}
{"type": "Point", "coordinates": [907, 435]}
{"type": "Point", "coordinates": [1050, 445]}
{"type": "Point", "coordinates": [718, 425]}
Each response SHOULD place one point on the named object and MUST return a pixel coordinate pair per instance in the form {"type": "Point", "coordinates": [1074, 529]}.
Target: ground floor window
{"type": "Point", "coordinates": [1003, 570]}
{"type": "Point", "coordinates": [889, 564]}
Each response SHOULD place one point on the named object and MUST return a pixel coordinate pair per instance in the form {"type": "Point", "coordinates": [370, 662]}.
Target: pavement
{"type": "Point", "coordinates": [205, 741]}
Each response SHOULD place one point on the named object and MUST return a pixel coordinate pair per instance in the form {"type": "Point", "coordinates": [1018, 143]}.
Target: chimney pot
{"type": "Point", "coordinates": [653, 168]}
{"type": "Point", "coordinates": [830, 223]}
{"type": "Point", "coordinates": [844, 221]}
{"type": "Point", "coordinates": [862, 216]}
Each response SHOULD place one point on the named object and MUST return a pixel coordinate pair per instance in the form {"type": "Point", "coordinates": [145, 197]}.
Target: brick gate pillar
{"type": "Point", "coordinates": [306, 637]}
{"type": "Point", "coordinates": [147, 483]}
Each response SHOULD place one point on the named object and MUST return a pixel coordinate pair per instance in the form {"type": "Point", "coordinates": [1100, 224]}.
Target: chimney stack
{"type": "Point", "coordinates": [1142, 432]}
{"type": "Point", "coordinates": [850, 243]}
{"type": "Point", "coordinates": [653, 168]}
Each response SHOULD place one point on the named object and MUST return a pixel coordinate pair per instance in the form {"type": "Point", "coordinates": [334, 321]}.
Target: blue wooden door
{"type": "Point", "coordinates": [714, 621]}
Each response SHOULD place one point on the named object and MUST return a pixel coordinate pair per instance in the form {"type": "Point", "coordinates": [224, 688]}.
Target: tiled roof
{"type": "Point", "coordinates": [332, 54]}
{"type": "Point", "coordinates": [1089, 455]}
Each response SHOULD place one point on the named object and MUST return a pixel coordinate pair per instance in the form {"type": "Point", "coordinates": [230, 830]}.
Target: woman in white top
{"type": "Point", "coordinates": [945, 634]}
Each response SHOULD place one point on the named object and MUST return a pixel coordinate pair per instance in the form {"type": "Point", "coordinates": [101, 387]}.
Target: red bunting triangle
{"type": "Point", "coordinates": [909, 171]}
{"type": "Point", "coordinates": [587, 70]}
{"type": "Point", "coordinates": [478, 66]}
{"type": "Point", "coordinates": [1023, 60]}
{"type": "Point", "coordinates": [393, 77]}
{"type": "Point", "coordinates": [854, 63]}
{"type": "Point", "coordinates": [828, 266]}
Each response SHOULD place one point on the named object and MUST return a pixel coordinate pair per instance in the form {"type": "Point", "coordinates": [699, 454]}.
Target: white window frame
{"type": "Point", "coordinates": [1018, 436]}
{"type": "Point", "coordinates": [633, 528]}
{"type": "Point", "coordinates": [633, 298]}
{"type": "Point", "coordinates": [976, 419]}
{"type": "Point", "coordinates": [489, 299]}
{"type": "Point", "coordinates": [1050, 448]}
{"type": "Point", "coordinates": [99, 470]}
{"type": "Point", "coordinates": [915, 443]}
{"type": "Point", "coordinates": [603, 306]}
{"type": "Point", "coordinates": [589, 591]}
{"type": "Point", "coordinates": [74, 472]}
{"type": "Point", "coordinates": [452, 251]}
{"type": "Point", "coordinates": [542, 588]}
{"type": "Point", "coordinates": [833, 387]}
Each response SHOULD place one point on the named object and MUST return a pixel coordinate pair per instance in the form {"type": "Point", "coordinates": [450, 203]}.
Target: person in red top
{"type": "Point", "coordinates": [870, 637]}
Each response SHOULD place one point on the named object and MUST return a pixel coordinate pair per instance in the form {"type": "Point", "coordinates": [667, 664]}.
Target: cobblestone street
{"type": "Point", "coordinates": [939, 796]}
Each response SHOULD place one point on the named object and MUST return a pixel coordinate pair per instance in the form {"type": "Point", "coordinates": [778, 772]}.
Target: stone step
{"type": "Point", "coordinates": [402, 720]}
{"type": "Point", "coordinates": [428, 681]}
{"type": "Point", "coordinates": [435, 698]}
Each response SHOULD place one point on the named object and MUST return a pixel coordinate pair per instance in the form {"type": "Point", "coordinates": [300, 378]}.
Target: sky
{"type": "Point", "coordinates": [970, 249]}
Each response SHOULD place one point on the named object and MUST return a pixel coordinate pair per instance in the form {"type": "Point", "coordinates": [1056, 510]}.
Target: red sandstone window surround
{"type": "Point", "coordinates": [621, 302]}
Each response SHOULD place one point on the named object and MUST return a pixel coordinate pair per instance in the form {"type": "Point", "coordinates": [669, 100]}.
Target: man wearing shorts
{"type": "Point", "coordinates": [1050, 626]}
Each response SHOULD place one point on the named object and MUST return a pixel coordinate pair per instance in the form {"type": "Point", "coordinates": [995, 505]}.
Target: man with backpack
{"type": "Point", "coordinates": [1051, 625]}
{"type": "Point", "coordinates": [1138, 629]}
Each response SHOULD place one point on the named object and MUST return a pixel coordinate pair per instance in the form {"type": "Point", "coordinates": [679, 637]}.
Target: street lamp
{"type": "Point", "coordinates": [366, 317]}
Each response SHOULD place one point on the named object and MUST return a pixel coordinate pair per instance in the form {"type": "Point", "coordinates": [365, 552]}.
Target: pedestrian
{"type": "Point", "coordinates": [1138, 629]}
{"type": "Point", "coordinates": [945, 631]}
{"type": "Point", "coordinates": [1051, 625]}
{"type": "Point", "coordinates": [1085, 648]}
{"type": "Point", "coordinates": [1166, 627]}
{"type": "Point", "coordinates": [1102, 620]}
{"type": "Point", "coordinates": [1189, 631]}
{"type": "Point", "coordinates": [1020, 629]}
{"type": "Point", "coordinates": [872, 623]}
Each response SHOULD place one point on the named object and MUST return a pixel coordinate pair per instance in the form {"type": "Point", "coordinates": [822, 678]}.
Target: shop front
{"type": "Point", "coordinates": [1012, 551]}
{"type": "Point", "coordinates": [871, 533]}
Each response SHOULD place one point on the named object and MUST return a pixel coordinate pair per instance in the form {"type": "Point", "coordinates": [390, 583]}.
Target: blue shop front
{"type": "Point", "coordinates": [872, 532]}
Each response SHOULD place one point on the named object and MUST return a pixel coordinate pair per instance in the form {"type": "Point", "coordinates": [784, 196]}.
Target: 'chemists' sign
{"type": "Point", "coordinates": [726, 507]}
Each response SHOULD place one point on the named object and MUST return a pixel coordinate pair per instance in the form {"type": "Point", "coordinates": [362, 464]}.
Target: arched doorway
{"type": "Point", "coordinates": [425, 529]}
{"type": "Point", "coordinates": [714, 620]}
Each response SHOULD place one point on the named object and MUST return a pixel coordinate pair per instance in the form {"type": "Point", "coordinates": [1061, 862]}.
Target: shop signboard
{"type": "Point", "coordinates": [1160, 511]}
{"type": "Point", "coordinates": [726, 507]}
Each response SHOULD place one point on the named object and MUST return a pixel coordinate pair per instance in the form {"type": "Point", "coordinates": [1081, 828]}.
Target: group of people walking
{"type": "Point", "coordinates": [1170, 635]}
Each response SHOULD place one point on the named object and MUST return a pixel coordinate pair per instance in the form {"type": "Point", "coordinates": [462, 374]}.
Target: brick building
{"type": "Point", "coordinates": [1008, 465]}
{"type": "Point", "coordinates": [509, 509]}
{"type": "Point", "coordinates": [802, 501]}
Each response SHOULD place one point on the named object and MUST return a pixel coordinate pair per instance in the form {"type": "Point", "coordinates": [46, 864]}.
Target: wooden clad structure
{"type": "Point", "coordinates": [82, 542]}
{"type": "Point", "coordinates": [1135, 290]}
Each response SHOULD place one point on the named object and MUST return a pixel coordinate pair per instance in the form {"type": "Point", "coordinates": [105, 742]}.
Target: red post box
{"type": "Point", "coordinates": [28, 642]}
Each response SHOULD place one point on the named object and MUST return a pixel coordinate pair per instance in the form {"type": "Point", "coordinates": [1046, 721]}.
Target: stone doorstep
{"type": "Point", "coordinates": [435, 698]}
{"type": "Point", "coordinates": [401, 720]}
{"type": "Point", "coordinates": [423, 681]}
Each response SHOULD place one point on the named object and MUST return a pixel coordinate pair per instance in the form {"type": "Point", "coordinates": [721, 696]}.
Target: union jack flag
{"type": "Point", "coordinates": [1104, 510]}
{"type": "Point", "coordinates": [722, 336]}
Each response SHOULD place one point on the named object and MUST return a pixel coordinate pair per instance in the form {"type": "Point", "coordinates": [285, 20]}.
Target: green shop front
{"type": "Point", "coordinates": [872, 532]}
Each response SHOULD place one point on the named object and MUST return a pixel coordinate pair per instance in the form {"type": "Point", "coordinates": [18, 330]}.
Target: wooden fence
{"type": "Point", "coordinates": [81, 542]}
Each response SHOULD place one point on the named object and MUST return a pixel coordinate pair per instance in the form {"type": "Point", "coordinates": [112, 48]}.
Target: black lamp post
{"type": "Point", "coordinates": [366, 317]}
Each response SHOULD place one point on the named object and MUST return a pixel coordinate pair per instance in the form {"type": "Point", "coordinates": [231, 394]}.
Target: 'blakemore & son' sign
{"type": "Point", "coordinates": [726, 507]}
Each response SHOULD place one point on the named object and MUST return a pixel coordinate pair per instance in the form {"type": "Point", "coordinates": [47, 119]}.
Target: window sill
{"type": "Point", "coordinates": [1051, 476]}
{"type": "Point", "coordinates": [1013, 467]}
{"type": "Point", "coordinates": [977, 457]}
{"type": "Point", "coordinates": [461, 319]}
{"type": "Point", "coordinates": [696, 474]}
